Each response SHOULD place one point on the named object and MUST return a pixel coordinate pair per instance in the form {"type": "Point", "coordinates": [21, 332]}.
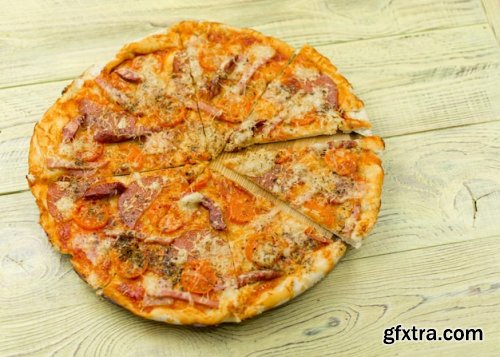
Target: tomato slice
{"type": "Point", "coordinates": [282, 157]}
{"type": "Point", "coordinates": [264, 249]}
{"type": "Point", "coordinates": [201, 181]}
{"type": "Point", "coordinates": [91, 215]}
{"type": "Point", "coordinates": [321, 212]}
{"type": "Point", "coordinates": [130, 157]}
{"type": "Point", "coordinates": [174, 117]}
{"type": "Point", "coordinates": [341, 161]}
{"type": "Point", "coordinates": [307, 119]}
{"type": "Point", "coordinates": [198, 276]}
{"type": "Point", "coordinates": [241, 205]}
{"type": "Point", "coordinates": [206, 61]}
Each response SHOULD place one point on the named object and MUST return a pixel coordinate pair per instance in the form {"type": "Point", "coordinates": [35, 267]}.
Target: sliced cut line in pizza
{"type": "Point", "coordinates": [309, 98]}
{"type": "Point", "coordinates": [336, 183]}
{"type": "Point", "coordinates": [230, 68]}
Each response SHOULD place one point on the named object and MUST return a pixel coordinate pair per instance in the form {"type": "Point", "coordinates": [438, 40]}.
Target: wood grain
{"type": "Point", "coordinates": [46, 309]}
{"type": "Point", "coordinates": [427, 81]}
{"type": "Point", "coordinates": [492, 10]}
{"type": "Point", "coordinates": [70, 36]}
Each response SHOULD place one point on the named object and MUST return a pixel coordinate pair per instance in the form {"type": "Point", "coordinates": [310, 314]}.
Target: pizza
{"type": "Point", "coordinates": [134, 173]}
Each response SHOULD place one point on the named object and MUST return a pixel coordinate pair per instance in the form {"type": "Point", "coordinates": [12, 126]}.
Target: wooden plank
{"type": "Point", "coordinates": [440, 187]}
{"type": "Point", "coordinates": [492, 10]}
{"type": "Point", "coordinates": [14, 146]}
{"type": "Point", "coordinates": [69, 37]}
{"type": "Point", "coordinates": [410, 84]}
{"type": "Point", "coordinates": [427, 81]}
{"type": "Point", "coordinates": [448, 286]}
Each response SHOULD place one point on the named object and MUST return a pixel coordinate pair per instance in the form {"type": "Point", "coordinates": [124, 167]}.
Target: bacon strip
{"type": "Point", "coordinates": [54, 194]}
{"type": "Point", "coordinates": [190, 297]}
{"type": "Point", "coordinates": [215, 214]}
{"type": "Point", "coordinates": [70, 129]}
{"type": "Point", "coordinates": [207, 108]}
{"type": "Point", "coordinates": [311, 233]}
{"type": "Point", "coordinates": [327, 83]}
{"type": "Point", "coordinates": [128, 75]}
{"type": "Point", "coordinates": [352, 220]}
{"type": "Point", "coordinates": [257, 275]}
{"type": "Point", "coordinates": [112, 92]}
{"type": "Point", "coordinates": [156, 301]}
{"type": "Point", "coordinates": [110, 126]}
{"type": "Point", "coordinates": [250, 71]}
{"type": "Point", "coordinates": [137, 198]}
{"type": "Point", "coordinates": [104, 190]}
{"type": "Point", "coordinates": [134, 292]}
{"type": "Point", "coordinates": [115, 136]}
{"type": "Point", "coordinates": [57, 163]}
{"type": "Point", "coordinates": [213, 88]}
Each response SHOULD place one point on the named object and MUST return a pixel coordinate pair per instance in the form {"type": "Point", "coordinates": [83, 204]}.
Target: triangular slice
{"type": "Point", "coordinates": [309, 98]}
{"type": "Point", "coordinates": [230, 68]}
{"type": "Point", "coordinates": [132, 116]}
{"type": "Point", "coordinates": [337, 184]}
{"type": "Point", "coordinates": [276, 255]}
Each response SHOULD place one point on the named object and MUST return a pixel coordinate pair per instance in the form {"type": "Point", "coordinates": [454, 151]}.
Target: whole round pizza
{"type": "Point", "coordinates": [196, 178]}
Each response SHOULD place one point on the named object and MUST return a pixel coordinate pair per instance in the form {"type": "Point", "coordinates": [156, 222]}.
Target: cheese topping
{"type": "Point", "coordinates": [153, 284]}
{"type": "Point", "coordinates": [160, 142]}
{"type": "Point", "coordinates": [65, 205]}
{"type": "Point", "coordinates": [257, 163]}
{"type": "Point", "coordinates": [191, 200]}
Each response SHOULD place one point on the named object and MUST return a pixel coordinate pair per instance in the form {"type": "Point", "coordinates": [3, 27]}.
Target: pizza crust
{"type": "Point", "coordinates": [373, 173]}
{"type": "Point", "coordinates": [252, 302]}
{"type": "Point", "coordinates": [48, 129]}
{"type": "Point", "coordinates": [237, 305]}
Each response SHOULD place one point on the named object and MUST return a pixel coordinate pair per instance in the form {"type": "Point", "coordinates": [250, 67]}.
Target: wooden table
{"type": "Point", "coordinates": [429, 72]}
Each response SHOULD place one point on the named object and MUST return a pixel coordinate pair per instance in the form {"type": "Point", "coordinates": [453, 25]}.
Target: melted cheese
{"type": "Point", "coordinates": [263, 220]}
{"type": "Point", "coordinates": [304, 73]}
{"type": "Point", "coordinates": [190, 201]}
{"type": "Point", "coordinates": [160, 142]}
{"type": "Point", "coordinates": [192, 53]}
{"type": "Point", "coordinates": [260, 53]}
{"type": "Point", "coordinates": [153, 285]}
{"type": "Point", "coordinates": [242, 136]}
{"type": "Point", "coordinates": [93, 247]}
{"type": "Point", "coordinates": [257, 163]}
{"type": "Point", "coordinates": [65, 205]}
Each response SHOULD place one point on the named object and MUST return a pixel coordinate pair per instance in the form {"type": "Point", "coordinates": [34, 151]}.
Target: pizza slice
{"type": "Point", "coordinates": [309, 98]}
{"type": "Point", "coordinates": [83, 217]}
{"type": "Point", "coordinates": [230, 68]}
{"type": "Point", "coordinates": [337, 184]}
{"type": "Point", "coordinates": [187, 277]}
{"type": "Point", "coordinates": [276, 256]}
{"type": "Point", "coordinates": [137, 114]}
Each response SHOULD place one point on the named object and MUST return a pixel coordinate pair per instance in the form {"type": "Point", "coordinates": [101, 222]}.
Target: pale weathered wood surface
{"type": "Point", "coordinates": [429, 72]}
{"type": "Point", "coordinates": [492, 10]}
{"type": "Point", "coordinates": [44, 41]}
